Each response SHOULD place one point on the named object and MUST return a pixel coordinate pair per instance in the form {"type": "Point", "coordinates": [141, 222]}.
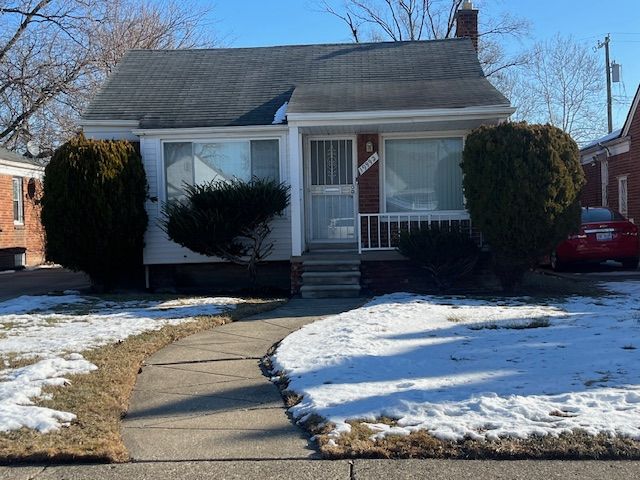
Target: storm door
{"type": "Point", "coordinates": [331, 191]}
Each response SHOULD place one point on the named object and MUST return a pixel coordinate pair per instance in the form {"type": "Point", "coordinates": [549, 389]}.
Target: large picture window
{"type": "Point", "coordinates": [200, 162]}
{"type": "Point", "coordinates": [423, 174]}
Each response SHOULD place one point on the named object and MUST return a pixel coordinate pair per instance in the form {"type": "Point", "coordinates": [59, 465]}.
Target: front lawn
{"type": "Point", "coordinates": [93, 347]}
{"type": "Point", "coordinates": [425, 376]}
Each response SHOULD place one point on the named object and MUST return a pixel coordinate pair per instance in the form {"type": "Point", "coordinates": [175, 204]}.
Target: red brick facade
{"type": "Point", "coordinates": [628, 164]}
{"type": "Point", "coordinates": [296, 276]}
{"type": "Point", "coordinates": [369, 182]}
{"type": "Point", "coordinates": [592, 191]}
{"type": "Point", "coordinates": [29, 235]}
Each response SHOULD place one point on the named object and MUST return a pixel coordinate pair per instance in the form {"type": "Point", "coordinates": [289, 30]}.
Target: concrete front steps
{"type": "Point", "coordinates": [330, 274]}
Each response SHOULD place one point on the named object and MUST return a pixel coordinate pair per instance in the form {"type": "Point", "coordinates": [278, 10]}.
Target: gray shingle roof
{"type": "Point", "coordinates": [245, 86]}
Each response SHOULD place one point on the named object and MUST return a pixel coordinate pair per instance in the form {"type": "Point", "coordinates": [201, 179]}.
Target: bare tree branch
{"type": "Point", "coordinates": [54, 55]}
{"type": "Point", "coordinates": [562, 85]}
{"type": "Point", "coordinates": [398, 20]}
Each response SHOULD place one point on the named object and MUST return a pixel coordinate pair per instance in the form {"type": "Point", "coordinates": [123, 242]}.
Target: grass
{"type": "Point", "coordinates": [359, 444]}
{"type": "Point", "coordinates": [100, 399]}
{"type": "Point", "coordinates": [540, 322]}
{"type": "Point", "coordinates": [578, 445]}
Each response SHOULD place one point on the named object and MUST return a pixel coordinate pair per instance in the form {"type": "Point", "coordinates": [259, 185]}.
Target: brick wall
{"type": "Point", "coordinates": [467, 25]}
{"type": "Point", "coordinates": [592, 191]}
{"type": "Point", "coordinates": [296, 276]}
{"type": "Point", "coordinates": [628, 165]}
{"type": "Point", "coordinates": [30, 235]}
{"type": "Point", "coordinates": [388, 276]}
{"type": "Point", "coordinates": [369, 182]}
{"type": "Point", "coordinates": [619, 165]}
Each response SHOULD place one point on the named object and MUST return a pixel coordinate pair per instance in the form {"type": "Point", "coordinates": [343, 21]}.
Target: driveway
{"type": "Point", "coordinates": [39, 281]}
{"type": "Point", "coordinates": [604, 272]}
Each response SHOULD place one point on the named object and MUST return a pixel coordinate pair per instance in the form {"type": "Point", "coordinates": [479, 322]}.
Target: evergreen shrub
{"type": "Point", "coordinates": [93, 209]}
{"type": "Point", "coordinates": [522, 184]}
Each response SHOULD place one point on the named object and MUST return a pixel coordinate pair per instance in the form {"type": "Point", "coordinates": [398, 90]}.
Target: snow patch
{"type": "Point", "coordinates": [48, 334]}
{"type": "Point", "coordinates": [32, 303]}
{"type": "Point", "coordinates": [281, 114]}
{"type": "Point", "coordinates": [465, 368]}
{"type": "Point", "coordinates": [31, 327]}
{"type": "Point", "coordinates": [19, 386]}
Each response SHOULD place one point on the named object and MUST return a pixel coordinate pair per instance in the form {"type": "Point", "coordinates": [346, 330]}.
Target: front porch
{"type": "Point", "coordinates": [360, 179]}
{"type": "Point", "coordinates": [360, 193]}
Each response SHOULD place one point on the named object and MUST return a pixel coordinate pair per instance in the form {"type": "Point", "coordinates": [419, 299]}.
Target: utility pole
{"type": "Point", "coordinates": [605, 44]}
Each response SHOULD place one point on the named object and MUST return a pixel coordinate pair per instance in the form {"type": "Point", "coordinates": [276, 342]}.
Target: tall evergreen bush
{"type": "Point", "coordinates": [522, 184]}
{"type": "Point", "coordinates": [93, 208]}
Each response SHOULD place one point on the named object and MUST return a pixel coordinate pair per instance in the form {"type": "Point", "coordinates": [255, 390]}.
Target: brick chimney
{"type": "Point", "coordinates": [467, 23]}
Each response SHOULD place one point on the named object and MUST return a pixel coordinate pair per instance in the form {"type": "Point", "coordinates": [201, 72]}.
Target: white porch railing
{"type": "Point", "coordinates": [381, 231]}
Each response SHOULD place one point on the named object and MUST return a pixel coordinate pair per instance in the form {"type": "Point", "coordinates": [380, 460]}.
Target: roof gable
{"type": "Point", "coordinates": [246, 86]}
{"type": "Point", "coordinates": [620, 133]}
{"type": "Point", "coordinates": [631, 114]}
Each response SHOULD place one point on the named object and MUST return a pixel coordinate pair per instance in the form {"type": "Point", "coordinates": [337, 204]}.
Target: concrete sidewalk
{"type": "Point", "coordinates": [206, 398]}
{"type": "Point", "coordinates": [202, 409]}
{"type": "Point", "coordinates": [335, 470]}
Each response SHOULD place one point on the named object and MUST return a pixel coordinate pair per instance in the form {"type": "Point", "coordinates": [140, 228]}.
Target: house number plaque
{"type": "Point", "coordinates": [371, 161]}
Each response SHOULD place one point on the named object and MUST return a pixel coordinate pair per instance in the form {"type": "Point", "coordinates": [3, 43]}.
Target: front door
{"type": "Point", "coordinates": [330, 191]}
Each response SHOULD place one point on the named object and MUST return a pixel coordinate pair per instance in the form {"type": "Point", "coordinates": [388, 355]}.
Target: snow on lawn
{"type": "Point", "coordinates": [462, 368]}
{"type": "Point", "coordinates": [55, 329]}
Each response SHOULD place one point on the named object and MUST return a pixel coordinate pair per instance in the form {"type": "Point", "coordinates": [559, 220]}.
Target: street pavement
{"type": "Point", "coordinates": [40, 281]}
{"type": "Point", "coordinates": [335, 470]}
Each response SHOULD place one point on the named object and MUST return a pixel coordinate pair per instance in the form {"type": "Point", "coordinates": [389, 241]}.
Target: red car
{"type": "Point", "coordinates": [604, 235]}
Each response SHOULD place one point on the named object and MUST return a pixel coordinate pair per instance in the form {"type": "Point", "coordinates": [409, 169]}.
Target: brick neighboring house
{"type": "Point", "coordinates": [21, 234]}
{"type": "Point", "coordinates": [368, 136]}
{"type": "Point", "coordinates": [612, 167]}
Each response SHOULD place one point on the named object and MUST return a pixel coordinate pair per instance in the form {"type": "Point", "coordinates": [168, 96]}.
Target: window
{"type": "Point", "coordinates": [18, 205]}
{"type": "Point", "coordinates": [423, 174]}
{"type": "Point", "coordinates": [200, 162]}
{"type": "Point", "coordinates": [622, 196]}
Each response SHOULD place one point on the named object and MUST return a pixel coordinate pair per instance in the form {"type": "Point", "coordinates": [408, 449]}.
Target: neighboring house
{"type": "Point", "coordinates": [21, 234]}
{"type": "Point", "coordinates": [612, 167]}
{"type": "Point", "coordinates": [369, 136]}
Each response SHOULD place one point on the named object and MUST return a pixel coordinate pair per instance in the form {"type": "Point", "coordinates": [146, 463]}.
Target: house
{"type": "Point", "coordinates": [369, 137]}
{"type": "Point", "coordinates": [21, 233]}
{"type": "Point", "coordinates": [611, 166]}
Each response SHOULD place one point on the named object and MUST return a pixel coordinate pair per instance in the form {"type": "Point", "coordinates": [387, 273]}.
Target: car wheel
{"type": "Point", "coordinates": [631, 263]}
{"type": "Point", "coordinates": [556, 264]}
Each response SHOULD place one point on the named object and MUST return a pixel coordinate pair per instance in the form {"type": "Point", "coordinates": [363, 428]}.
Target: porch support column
{"type": "Point", "coordinates": [297, 191]}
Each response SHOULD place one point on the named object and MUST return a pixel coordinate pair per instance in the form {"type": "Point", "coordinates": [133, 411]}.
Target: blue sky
{"type": "Point", "coordinates": [280, 22]}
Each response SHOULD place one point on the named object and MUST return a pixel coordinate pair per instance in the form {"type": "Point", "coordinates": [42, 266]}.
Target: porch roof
{"type": "Point", "coordinates": [394, 95]}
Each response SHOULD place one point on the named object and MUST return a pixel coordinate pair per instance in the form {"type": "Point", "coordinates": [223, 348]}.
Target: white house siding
{"type": "Point", "coordinates": [159, 249]}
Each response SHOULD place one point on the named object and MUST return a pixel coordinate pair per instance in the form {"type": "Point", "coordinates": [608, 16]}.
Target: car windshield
{"type": "Point", "coordinates": [594, 215]}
